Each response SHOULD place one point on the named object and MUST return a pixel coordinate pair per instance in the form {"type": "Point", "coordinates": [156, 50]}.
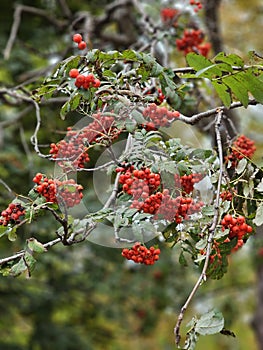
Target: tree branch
{"type": "Point", "coordinates": [197, 117]}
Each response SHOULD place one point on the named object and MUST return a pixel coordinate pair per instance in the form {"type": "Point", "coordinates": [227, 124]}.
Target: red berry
{"type": "Point", "coordinates": [228, 218]}
{"type": "Point", "coordinates": [73, 73]}
{"type": "Point", "coordinates": [82, 45]}
{"type": "Point", "coordinates": [77, 38]}
{"type": "Point", "coordinates": [96, 83]}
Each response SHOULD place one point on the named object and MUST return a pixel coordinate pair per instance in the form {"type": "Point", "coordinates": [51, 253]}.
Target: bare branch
{"type": "Point", "coordinates": [197, 117]}
{"type": "Point", "coordinates": [16, 23]}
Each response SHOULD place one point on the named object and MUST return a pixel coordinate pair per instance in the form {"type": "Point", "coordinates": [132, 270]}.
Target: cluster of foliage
{"type": "Point", "coordinates": [207, 202]}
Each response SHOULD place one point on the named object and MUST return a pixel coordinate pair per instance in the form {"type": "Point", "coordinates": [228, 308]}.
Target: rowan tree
{"type": "Point", "coordinates": [120, 98]}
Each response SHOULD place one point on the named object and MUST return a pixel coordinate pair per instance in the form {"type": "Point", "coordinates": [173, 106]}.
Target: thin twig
{"type": "Point", "coordinates": [6, 186]}
{"type": "Point", "coordinates": [16, 23]}
{"type": "Point", "coordinates": [22, 252]}
{"type": "Point", "coordinates": [211, 229]}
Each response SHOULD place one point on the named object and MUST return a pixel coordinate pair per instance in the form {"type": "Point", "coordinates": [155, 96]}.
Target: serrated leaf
{"type": "Point", "coordinates": [109, 73]}
{"type": "Point", "coordinates": [35, 246]}
{"type": "Point", "coordinates": [130, 55]}
{"type": "Point", "coordinates": [209, 72]}
{"type": "Point", "coordinates": [258, 220]}
{"type": "Point", "coordinates": [197, 62]}
{"type": "Point", "coordinates": [251, 83]}
{"type": "Point", "coordinates": [238, 89]}
{"type": "Point", "coordinates": [241, 165]}
{"type": "Point", "coordinates": [210, 323]}
{"type": "Point", "coordinates": [232, 59]}
{"type": "Point", "coordinates": [223, 92]}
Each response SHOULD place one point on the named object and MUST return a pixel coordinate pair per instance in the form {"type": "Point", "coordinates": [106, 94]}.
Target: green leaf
{"type": "Point", "coordinates": [197, 62]}
{"type": "Point", "coordinates": [12, 234]}
{"type": "Point", "coordinates": [35, 246]}
{"type": "Point", "coordinates": [210, 323]}
{"type": "Point", "coordinates": [241, 166]}
{"type": "Point", "coordinates": [18, 268]}
{"type": "Point", "coordinates": [232, 59]}
{"type": "Point", "coordinates": [223, 92]}
{"type": "Point", "coordinates": [130, 55]}
{"type": "Point", "coordinates": [182, 168]}
{"type": "Point", "coordinates": [201, 244]}
{"type": "Point", "coordinates": [182, 259]}
{"type": "Point", "coordinates": [258, 221]}
{"type": "Point", "coordinates": [64, 110]}
{"type": "Point", "coordinates": [25, 263]}
{"type": "Point", "coordinates": [251, 83]}
{"type": "Point", "coordinates": [74, 102]}
{"type": "Point", "coordinates": [138, 117]}
{"type": "Point", "coordinates": [109, 73]}
{"type": "Point", "coordinates": [200, 153]}
{"type": "Point", "coordinates": [130, 125]}
{"type": "Point", "coordinates": [240, 92]}
{"type": "Point", "coordinates": [209, 72]}
{"type": "Point", "coordinates": [208, 210]}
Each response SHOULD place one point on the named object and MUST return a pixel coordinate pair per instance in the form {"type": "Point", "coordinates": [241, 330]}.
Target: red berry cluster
{"type": "Point", "coordinates": [143, 186]}
{"type": "Point", "coordinates": [242, 147]}
{"type": "Point", "coordinates": [226, 196]}
{"type": "Point", "coordinates": [169, 15]}
{"type": "Point", "coordinates": [186, 182]}
{"type": "Point", "coordinates": [84, 81]}
{"type": "Point", "coordinates": [141, 254]}
{"type": "Point", "coordinates": [72, 152]}
{"type": "Point", "coordinates": [12, 214]}
{"type": "Point", "coordinates": [77, 38]}
{"type": "Point", "coordinates": [177, 209]}
{"type": "Point", "coordinates": [139, 183]}
{"type": "Point", "coordinates": [237, 228]}
{"type": "Point", "coordinates": [159, 116]}
{"type": "Point", "coordinates": [197, 4]}
{"type": "Point", "coordinates": [163, 206]}
{"type": "Point", "coordinates": [192, 41]}
{"type": "Point", "coordinates": [67, 191]}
